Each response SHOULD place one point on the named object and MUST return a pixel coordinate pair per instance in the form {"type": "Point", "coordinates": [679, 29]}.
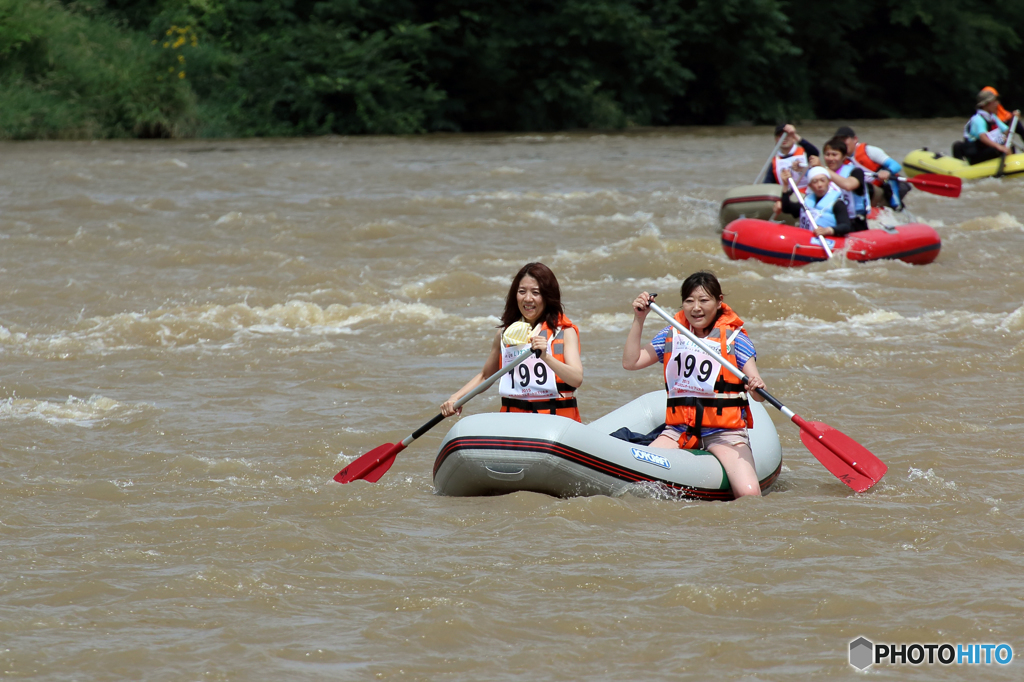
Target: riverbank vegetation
{"type": "Point", "coordinates": [181, 68]}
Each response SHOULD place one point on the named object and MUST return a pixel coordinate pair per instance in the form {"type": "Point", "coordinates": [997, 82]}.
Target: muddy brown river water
{"type": "Point", "coordinates": [196, 336]}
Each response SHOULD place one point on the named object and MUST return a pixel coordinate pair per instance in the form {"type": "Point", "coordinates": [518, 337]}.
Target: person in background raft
{"type": "Point", "coordinates": [795, 155]}
{"type": "Point", "coordinates": [886, 189]}
{"type": "Point", "coordinates": [984, 135]}
{"type": "Point", "coordinates": [707, 405]}
{"type": "Point", "coordinates": [825, 202]}
{"type": "Point", "coordinates": [1004, 115]}
{"type": "Point", "coordinates": [544, 385]}
{"type": "Point", "coordinates": [849, 178]}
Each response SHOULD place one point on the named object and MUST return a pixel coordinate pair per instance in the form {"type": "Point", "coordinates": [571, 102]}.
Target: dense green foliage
{"type": "Point", "coordinates": [108, 68]}
{"type": "Point", "coordinates": [68, 74]}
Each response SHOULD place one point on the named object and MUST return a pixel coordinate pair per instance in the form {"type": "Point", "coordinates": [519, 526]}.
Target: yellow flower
{"type": "Point", "coordinates": [181, 74]}
{"type": "Point", "coordinates": [170, 69]}
{"type": "Point", "coordinates": [181, 59]}
{"type": "Point", "coordinates": [167, 45]}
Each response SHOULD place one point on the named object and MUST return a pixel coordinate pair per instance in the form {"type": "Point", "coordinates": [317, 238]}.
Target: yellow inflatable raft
{"type": "Point", "coordinates": [923, 161]}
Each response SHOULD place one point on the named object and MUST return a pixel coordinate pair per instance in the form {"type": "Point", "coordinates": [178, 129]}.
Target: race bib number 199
{"type": "Point", "coordinates": [531, 379]}
{"type": "Point", "coordinates": [691, 372]}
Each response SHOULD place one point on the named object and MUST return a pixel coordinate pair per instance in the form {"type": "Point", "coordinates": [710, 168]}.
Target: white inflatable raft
{"type": "Point", "coordinates": [498, 453]}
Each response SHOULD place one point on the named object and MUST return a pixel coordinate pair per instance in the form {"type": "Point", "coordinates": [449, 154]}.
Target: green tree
{"type": "Point", "coordinates": [917, 58]}
{"type": "Point", "coordinates": [552, 64]}
{"type": "Point", "coordinates": [66, 74]}
{"type": "Point", "coordinates": [249, 67]}
{"type": "Point", "coordinates": [339, 66]}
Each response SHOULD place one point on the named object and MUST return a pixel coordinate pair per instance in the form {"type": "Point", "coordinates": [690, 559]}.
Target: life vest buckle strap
{"type": "Point", "coordinates": [716, 403]}
{"type": "Point", "coordinates": [723, 385]}
{"type": "Point", "coordinates": [538, 405]}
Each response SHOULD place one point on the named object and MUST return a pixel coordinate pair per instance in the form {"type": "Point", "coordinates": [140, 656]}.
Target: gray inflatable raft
{"type": "Point", "coordinates": [498, 453]}
{"type": "Point", "coordinates": [751, 201]}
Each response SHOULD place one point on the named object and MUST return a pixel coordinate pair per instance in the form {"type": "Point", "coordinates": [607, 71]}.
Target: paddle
{"type": "Point", "coordinates": [376, 462]}
{"type": "Point", "coordinates": [943, 185]}
{"type": "Point", "coordinates": [1010, 133]}
{"type": "Point", "coordinates": [821, 238]}
{"type": "Point", "coordinates": [848, 460]}
{"type": "Point", "coordinates": [1006, 143]}
{"type": "Point", "coordinates": [771, 157]}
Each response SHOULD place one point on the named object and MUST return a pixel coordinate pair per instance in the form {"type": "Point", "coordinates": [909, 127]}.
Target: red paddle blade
{"type": "Point", "coordinates": [372, 465]}
{"type": "Point", "coordinates": [943, 185]}
{"type": "Point", "coordinates": [848, 460]}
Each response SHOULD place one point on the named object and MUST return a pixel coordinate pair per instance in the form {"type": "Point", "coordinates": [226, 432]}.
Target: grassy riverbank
{"type": "Point", "coordinates": [185, 68]}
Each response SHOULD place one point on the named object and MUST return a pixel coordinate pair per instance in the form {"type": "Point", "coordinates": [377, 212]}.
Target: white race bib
{"type": "Point", "coordinates": [532, 379]}
{"type": "Point", "coordinates": [797, 166]}
{"type": "Point", "coordinates": [805, 222]}
{"type": "Point", "coordinates": [996, 135]}
{"type": "Point", "coordinates": [691, 372]}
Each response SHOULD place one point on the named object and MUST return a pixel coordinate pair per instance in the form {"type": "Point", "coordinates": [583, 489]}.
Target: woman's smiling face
{"type": "Point", "coordinates": [531, 303]}
{"type": "Point", "coordinates": [700, 308]}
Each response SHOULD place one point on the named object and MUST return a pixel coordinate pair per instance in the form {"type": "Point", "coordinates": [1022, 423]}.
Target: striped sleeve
{"type": "Point", "coordinates": [743, 349]}
{"type": "Point", "coordinates": [659, 342]}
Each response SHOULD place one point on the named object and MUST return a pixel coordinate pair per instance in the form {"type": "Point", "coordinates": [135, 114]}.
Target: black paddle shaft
{"type": "Point", "coordinates": [438, 418]}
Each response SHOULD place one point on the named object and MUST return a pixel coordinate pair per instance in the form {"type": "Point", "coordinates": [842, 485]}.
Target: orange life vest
{"type": "Point", "coordinates": [563, 406]}
{"type": "Point", "coordinates": [726, 410]}
{"type": "Point", "coordinates": [861, 158]}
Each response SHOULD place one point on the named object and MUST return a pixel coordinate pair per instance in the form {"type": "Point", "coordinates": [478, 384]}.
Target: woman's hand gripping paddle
{"type": "Point", "coordinates": [375, 463]}
{"type": "Point", "coordinates": [800, 197]}
{"type": "Point", "coordinates": [848, 460]}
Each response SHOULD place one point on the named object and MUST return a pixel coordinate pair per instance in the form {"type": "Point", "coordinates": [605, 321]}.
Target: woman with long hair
{"type": "Point", "coordinates": [544, 384]}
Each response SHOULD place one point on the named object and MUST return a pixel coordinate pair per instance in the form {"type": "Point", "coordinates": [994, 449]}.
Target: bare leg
{"type": "Point", "coordinates": [664, 442]}
{"type": "Point", "coordinates": [738, 462]}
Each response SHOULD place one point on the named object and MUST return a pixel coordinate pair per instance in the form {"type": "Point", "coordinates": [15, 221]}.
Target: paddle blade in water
{"type": "Point", "coordinates": [372, 465]}
{"type": "Point", "coordinates": [848, 460]}
{"type": "Point", "coordinates": [374, 474]}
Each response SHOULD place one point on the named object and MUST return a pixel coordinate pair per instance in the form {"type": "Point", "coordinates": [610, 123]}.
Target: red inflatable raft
{"type": "Point", "coordinates": [790, 246]}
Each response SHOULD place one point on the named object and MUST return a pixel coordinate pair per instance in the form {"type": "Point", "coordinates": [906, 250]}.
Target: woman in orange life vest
{"type": "Point", "coordinates": [706, 403]}
{"type": "Point", "coordinates": [544, 385]}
